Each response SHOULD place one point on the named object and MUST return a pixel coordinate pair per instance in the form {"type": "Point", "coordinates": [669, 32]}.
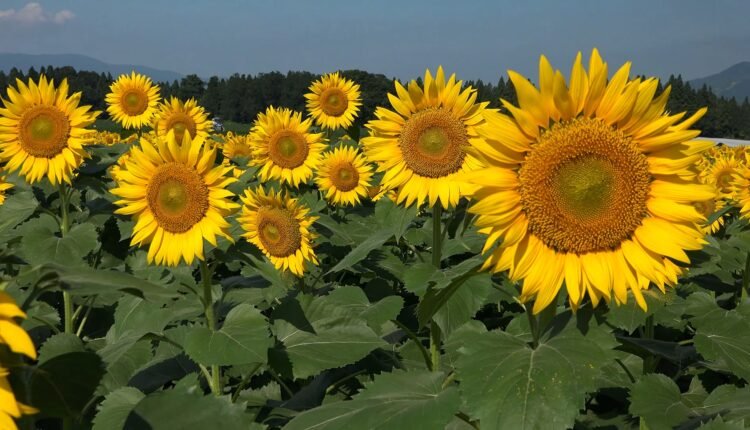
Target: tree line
{"type": "Point", "coordinates": [241, 97]}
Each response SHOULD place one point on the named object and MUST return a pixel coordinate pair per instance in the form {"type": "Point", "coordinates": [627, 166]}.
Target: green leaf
{"type": "Point", "coordinates": [85, 281]}
{"type": "Point", "coordinates": [320, 333]}
{"type": "Point", "coordinates": [187, 409]}
{"type": "Point", "coordinates": [244, 338]}
{"type": "Point", "coordinates": [629, 316]}
{"type": "Point", "coordinates": [463, 304]}
{"type": "Point", "coordinates": [120, 371]}
{"type": "Point", "coordinates": [353, 301]}
{"type": "Point", "coordinates": [63, 385]}
{"type": "Point", "coordinates": [15, 210]}
{"type": "Point", "coordinates": [114, 410]}
{"type": "Point", "coordinates": [59, 344]}
{"type": "Point", "coordinates": [725, 338]}
{"type": "Point", "coordinates": [398, 400]}
{"type": "Point", "coordinates": [718, 423]}
{"type": "Point", "coordinates": [505, 383]}
{"type": "Point", "coordinates": [731, 402]}
{"type": "Point", "coordinates": [436, 297]}
{"type": "Point", "coordinates": [41, 243]}
{"type": "Point", "coordinates": [656, 399]}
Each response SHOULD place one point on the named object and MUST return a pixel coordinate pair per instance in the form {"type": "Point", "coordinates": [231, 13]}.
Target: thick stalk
{"type": "Point", "coordinates": [208, 304]}
{"type": "Point", "coordinates": [437, 248]}
{"type": "Point", "coordinates": [64, 228]}
{"type": "Point", "coordinates": [745, 281]}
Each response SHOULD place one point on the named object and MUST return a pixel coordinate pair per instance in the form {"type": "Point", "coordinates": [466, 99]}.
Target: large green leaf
{"type": "Point", "coordinates": [656, 399]}
{"type": "Point", "coordinates": [244, 338]}
{"type": "Point", "coordinates": [353, 301]}
{"type": "Point", "coordinates": [187, 409]}
{"type": "Point", "coordinates": [59, 344]}
{"type": "Point", "coordinates": [506, 383]}
{"type": "Point", "coordinates": [114, 410]}
{"type": "Point", "coordinates": [724, 337]}
{"type": "Point", "coordinates": [321, 333]}
{"type": "Point", "coordinates": [398, 400]}
{"type": "Point", "coordinates": [85, 281]}
{"type": "Point", "coordinates": [42, 243]}
{"type": "Point", "coordinates": [64, 384]}
{"type": "Point", "coordinates": [15, 210]}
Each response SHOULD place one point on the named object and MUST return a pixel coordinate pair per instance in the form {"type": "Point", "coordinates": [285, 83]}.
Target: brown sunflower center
{"type": "Point", "coordinates": [724, 180]}
{"type": "Point", "coordinates": [705, 207]}
{"type": "Point", "coordinates": [432, 142]}
{"type": "Point", "coordinates": [333, 102]}
{"type": "Point", "coordinates": [177, 196]}
{"type": "Point", "coordinates": [134, 102]}
{"type": "Point", "coordinates": [181, 122]}
{"type": "Point", "coordinates": [278, 230]}
{"type": "Point", "coordinates": [44, 131]}
{"type": "Point", "coordinates": [584, 187]}
{"type": "Point", "coordinates": [288, 149]}
{"type": "Point", "coordinates": [344, 176]}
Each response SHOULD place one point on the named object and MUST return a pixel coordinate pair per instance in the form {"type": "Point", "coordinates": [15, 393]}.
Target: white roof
{"type": "Point", "coordinates": [728, 142]}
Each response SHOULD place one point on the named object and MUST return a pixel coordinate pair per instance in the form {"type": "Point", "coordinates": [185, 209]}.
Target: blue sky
{"type": "Point", "coordinates": [475, 39]}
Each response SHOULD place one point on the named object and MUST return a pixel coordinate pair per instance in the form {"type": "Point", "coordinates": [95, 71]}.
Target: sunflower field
{"type": "Point", "coordinates": [580, 259]}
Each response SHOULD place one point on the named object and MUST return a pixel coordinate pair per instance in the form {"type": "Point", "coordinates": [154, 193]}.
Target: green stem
{"type": "Point", "coordinates": [208, 304]}
{"type": "Point", "coordinates": [745, 280]}
{"type": "Point", "coordinates": [437, 249]}
{"type": "Point", "coordinates": [649, 363]}
{"type": "Point", "coordinates": [413, 336]}
{"type": "Point", "coordinates": [64, 228]}
{"type": "Point", "coordinates": [534, 325]}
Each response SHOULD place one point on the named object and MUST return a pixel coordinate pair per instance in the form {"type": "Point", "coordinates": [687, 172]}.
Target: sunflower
{"type": "Point", "coordinates": [590, 183]}
{"type": "Point", "coordinates": [132, 100]}
{"type": "Point", "coordinates": [177, 196]}
{"type": "Point", "coordinates": [18, 341]}
{"type": "Point", "coordinates": [721, 172]}
{"type": "Point", "coordinates": [43, 131]}
{"type": "Point", "coordinates": [344, 176]}
{"type": "Point", "coordinates": [333, 101]}
{"type": "Point", "coordinates": [708, 208]}
{"type": "Point", "coordinates": [280, 227]}
{"type": "Point", "coordinates": [741, 190]}
{"type": "Point", "coordinates": [4, 186]}
{"type": "Point", "coordinates": [181, 117]}
{"type": "Point", "coordinates": [281, 143]}
{"type": "Point", "coordinates": [235, 145]}
{"type": "Point", "coordinates": [421, 145]}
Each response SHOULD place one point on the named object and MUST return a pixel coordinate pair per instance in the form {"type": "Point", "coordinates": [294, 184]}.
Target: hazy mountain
{"type": "Point", "coordinates": [732, 82]}
{"type": "Point", "coordinates": [81, 62]}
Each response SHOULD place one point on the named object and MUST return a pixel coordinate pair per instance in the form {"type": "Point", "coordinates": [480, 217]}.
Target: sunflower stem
{"type": "Point", "coordinates": [64, 228]}
{"type": "Point", "coordinates": [745, 281]}
{"type": "Point", "coordinates": [437, 248]}
{"type": "Point", "coordinates": [208, 304]}
{"type": "Point", "coordinates": [649, 363]}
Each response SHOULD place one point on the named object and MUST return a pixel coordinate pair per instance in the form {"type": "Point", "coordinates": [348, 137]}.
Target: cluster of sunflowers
{"type": "Point", "coordinates": [588, 183]}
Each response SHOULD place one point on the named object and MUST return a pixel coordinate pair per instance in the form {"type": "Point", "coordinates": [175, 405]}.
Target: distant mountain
{"type": "Point", "coordinates": [81, 62]}
{"type": "Point", "coordinates": [732, 82]}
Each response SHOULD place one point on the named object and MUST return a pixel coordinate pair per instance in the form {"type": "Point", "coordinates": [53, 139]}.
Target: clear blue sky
{"type": "Point", "coordinates": [476, 39]}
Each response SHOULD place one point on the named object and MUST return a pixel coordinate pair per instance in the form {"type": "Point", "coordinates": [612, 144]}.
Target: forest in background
{"type": "Point", "coordinates": [240, 97]}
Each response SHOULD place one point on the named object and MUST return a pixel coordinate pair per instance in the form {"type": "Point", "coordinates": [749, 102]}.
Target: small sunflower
{"type": "Point", "coordinates": [741, 190]}
{"type": "Point", "coordinates": [333, 101]}
{"type": "Point", "coordinates": [721, 172]}
{"type": "Point", "coordinates": [132, 100]}
{"type": "Point", "coordinates": [344, 176]}
{"type": "Point", "coordinates": [177, 196]}
{"type": "Point", "coordinates": [708, 208]}
{"type": "Point", "coordinates": [281, 143]}
{"type": "Point", "coordinates": [235, 145]}
{"type": "Point", "coordinates": [591, 184]}
{"type": "Point", "coordinates": [19, 342]}
{"type": "Point", "coordinates": [280, 227]}
{"type": "Point", "coordinates": [181, 117]}
{"type": "Point", "coordinates": [421, 146]}
{"type": "Point", "coordinates": [43, 131]}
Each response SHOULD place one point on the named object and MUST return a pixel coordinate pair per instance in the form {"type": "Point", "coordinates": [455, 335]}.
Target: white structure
{"type": "Point", "coordinates": [728, 142]}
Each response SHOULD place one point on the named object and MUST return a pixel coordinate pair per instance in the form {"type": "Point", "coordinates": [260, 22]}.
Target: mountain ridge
{"type": "Point", "coordinates": [81, 62]}
{"type": "Point", "coordinates": [734, 81]}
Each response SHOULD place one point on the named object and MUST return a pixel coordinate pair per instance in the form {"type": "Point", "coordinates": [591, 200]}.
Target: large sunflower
{"type": "Point", "coordinates": [421, 145]}
{"type": "Point", "coordinates": [43, 131]}
{"type": "Point", "coordinates": [18, 341]}
{"type": "Point", "coordinates": [590, 184]}
{"type": "Point", "coordinates": [333, 101]}
{"type": "Point", "coordinates": [344, 176]}
{"type": "Point", "coordinates": [282, 144]}
{"type": "Point", "coordinates": [174, 114]}
{"type": "Point", "coordinates": [132, 100]}
{"type": "Point", "coordinates": [280, 227]}
{"type": "Point", "coordinates": [177, 196]}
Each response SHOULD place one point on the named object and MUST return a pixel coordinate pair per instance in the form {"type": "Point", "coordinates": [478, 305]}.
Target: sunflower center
{"type": "Point", "coordinates": [345, 177]}
{"type": "Point", "coordinates": [432, 142]}
{"type": "Point", "coordinates": [177, 196]}
{"type": "Point", "coordinates": [333, 102]}
{"type": "Point", "coordinates": [44, 131]}
{"type": "Point", "coordinates": [724, 181]}
{"type": "Point", "coordinates": [584, 187]}
{"type": "Point", "coordinates": [181, 123]}
{"type": "Point", "coordinates": [134, 102]}
{"type": "Point", "coordinates": [288, 149]}
{"type": "Point", "coordinates": [279, 231]}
